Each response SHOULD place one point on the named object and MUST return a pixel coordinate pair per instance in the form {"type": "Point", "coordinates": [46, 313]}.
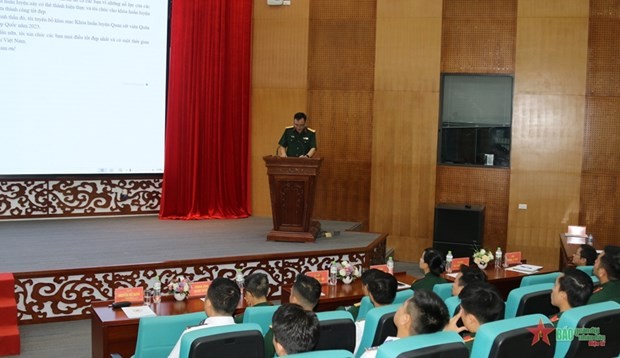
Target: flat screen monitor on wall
{"type": "Point", "coordinates": [83, 86]}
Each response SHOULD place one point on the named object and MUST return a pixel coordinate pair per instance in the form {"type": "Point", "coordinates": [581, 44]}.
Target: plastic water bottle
{"type": "Point", "coordinates": [590, 240]}
{"type": "Point", "coordinates": [333, 274]}
{"type": "Point", "coordinates": [240, 280]}
{"type": "Point", "coordinates": [498, 258]}
{"type": "Point", "coordinates": [390, 265]}
{"type": "Point", "coordinates": [157, 290]}
{"type": "Point", "coordinates": [449, 258]}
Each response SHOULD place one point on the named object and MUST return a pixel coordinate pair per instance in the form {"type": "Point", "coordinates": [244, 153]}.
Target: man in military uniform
{"type": "Point", "coordinates": [607, 269]}
{"type": "Point", "coordinates": [572, 289]}
{"type": "Point", "coordinates": [297, 140]}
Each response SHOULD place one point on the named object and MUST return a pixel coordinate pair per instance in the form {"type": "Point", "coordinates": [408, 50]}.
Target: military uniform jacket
{"type": "Point", "coordinates": [609, 291]}
{"type": "Point", "coordinates": [297, 144]}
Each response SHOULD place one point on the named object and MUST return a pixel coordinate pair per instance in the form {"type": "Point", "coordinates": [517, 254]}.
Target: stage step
{"type": "Point", "coordinates": [9, 331]}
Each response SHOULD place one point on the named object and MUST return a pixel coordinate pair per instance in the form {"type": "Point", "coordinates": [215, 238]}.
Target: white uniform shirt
{"type": "Point", "coordinates": [372, 351]}
{"type": "Point", "coordinates": [209, 322]}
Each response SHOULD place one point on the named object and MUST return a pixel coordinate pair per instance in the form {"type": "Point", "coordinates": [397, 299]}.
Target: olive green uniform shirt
{"type": "Point", "coordinates": [609, 291]}
{"type": "Point", "coordinates": [270, 350]}
{"type": "Point", "coordinates": [353, 310]}
{"type": "Point", "coordinates": [239, 317]}
{"type": "Point", "coordinates": [297, 144]}
{"type": "Point", "coordinates": [427, 282]}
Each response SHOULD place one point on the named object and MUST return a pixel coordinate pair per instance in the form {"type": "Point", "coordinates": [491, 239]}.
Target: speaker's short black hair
{"type": "Point", "coordinates": [482, 300]}
{"type": "Point", "coordinates": [257, 284]}
{"type": "Point", "coordinates": [296, 329]}
{"type": "Point", "coordinates": [428, 312]}
{"type": "Point", "coordinates": [577, 285]}
{"type": "Point", "coordinates": [224, 295]}
{"type": "Point", "coordinates": [300, 115]}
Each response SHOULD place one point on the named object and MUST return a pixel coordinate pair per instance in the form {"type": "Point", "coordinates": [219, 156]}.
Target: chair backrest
{"type": "Point", "coordinates": [366, 305]}
{"type": "Point", "coordinates": [337, 331]}
{"type": "Point", "coordinates": [530, 299]}
{"type": "Point", "coordinates": [443, 290]}
{"type": "Point", "coordinates": [437, 345]}
{"type": "Point", "coordinates": [511, 338]}
{"type": "Point", "coordinates": [587, 269]}
{"type": "Point", "coordinates": [595, 281]}
{"type": "Point", "coordinates": [332, 353]}
{"type": "Point", "coordinates": [452, 303]}
{"type": "Point", "coordinates": [233, 340]}
{"type": "Point", "coordinates": [158, 335]}
{"type": "Point", "coordinates": [538, 279]}
{"type": "Point", "coordinates": [603, 316]}
{"type": "Point", "coordinates": [379, 325]}
{"type": "Point", "coordinates": [261, 315]}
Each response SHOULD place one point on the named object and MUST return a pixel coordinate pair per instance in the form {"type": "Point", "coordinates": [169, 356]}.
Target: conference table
{"type": "Point", "coordinates": [114, 332]}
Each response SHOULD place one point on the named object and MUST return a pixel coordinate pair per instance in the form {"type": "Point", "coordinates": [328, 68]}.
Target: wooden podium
{"type": "Point", "coordinates": [292, 183]}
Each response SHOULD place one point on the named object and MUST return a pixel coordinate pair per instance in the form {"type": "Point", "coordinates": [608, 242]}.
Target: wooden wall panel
{"type": "Point", "coordinates": [340, 82]}
{"type": "Point", "coordinates": [406, 108]}
{"type": "Point", "coordinates": [600, 186]}
{"type": "Point", "coordinates": [279, 84]}
{"type": "Point", "coordinates": [549, 108]}
{"type": "Point", "coordinates": [478, 186]}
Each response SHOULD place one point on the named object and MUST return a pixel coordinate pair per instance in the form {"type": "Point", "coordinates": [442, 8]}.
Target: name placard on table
{"type": "Point", "coordinates": [199, 288]}
{"type": "Point", "coordinates": [383, 268]}
{"type": "Point", "coordinates": [513, 258]}
{"type": "Point", "coordinates": [131, 294]}
{"type": "Point", "coordinates": [321, 276]}
{"type": "Point", "coordinates": [458, 261]}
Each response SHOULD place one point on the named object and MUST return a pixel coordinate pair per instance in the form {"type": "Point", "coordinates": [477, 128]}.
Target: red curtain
{"type": "Point", "coordinates": [206, 173]}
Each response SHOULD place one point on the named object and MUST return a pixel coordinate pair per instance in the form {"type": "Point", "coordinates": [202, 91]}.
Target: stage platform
{"type": "Point", "coordinates": [62, 265]}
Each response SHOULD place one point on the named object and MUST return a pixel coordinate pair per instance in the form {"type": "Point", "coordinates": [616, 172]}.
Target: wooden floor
{"type": "Point", "coordinates": [38, 245]}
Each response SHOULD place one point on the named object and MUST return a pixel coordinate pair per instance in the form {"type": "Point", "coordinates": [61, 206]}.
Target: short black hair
{"type": "Point", "coordinates": [482, 300]}
{"type": "Point", "coordinates": [299, 116]}
{"type": "Point", "coordinates": [224, 295]}
{"type": "Point", "coordinates": [428, 312]}
{"type": "Point", "coordinates": [435, 261]}
{"type": "Point", "coordinates": [471, 274]}
{"type": "Point", "coordinates": [257, 284]}
{"type": "Point", "coordinates": [296, 329]}
{"type": "Point", "coordinates": [589, 253]}
{"type": "Point", "coordinates": [307, 289]}
{"type": "Point", "coordinates": [369, 275]}
{"type": "Point", "coordinates": [577, 285]}
{"type": "Point", "coordinates": [611, 262]}
{"type": "Point", "coordinates": [383, 288]}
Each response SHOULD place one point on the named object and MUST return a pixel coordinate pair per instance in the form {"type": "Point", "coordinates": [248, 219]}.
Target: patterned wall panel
{"type": "Point", "coordinates": [78, 197]}
{"type": "Point", "coordinates": [478, 186]}
{"type": "Point", "coordinates": [478, 36]}
{"type": "Point", "coordinates": [600, 184]}
{"type": "Point", "coordinates": [340, 86]}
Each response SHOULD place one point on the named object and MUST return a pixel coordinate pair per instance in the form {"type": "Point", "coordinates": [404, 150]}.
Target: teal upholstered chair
{"type": "Point", "coordinates": [452, 303]}
{"type": "Point", "coordinates": [261, 315]}
{"type": "Point", "coordinates": [158, 335]}
{"type": "Point", "coordinates": [587, 269]}
{"type": "Point", "coordinates": [337, 331]}
{"type": "Point", "coordinates": [530, 299]}
{"type": "Point", "coordinates": [440, 344]}
{"type": "Point", "coordinates": [537, 279]}
{"type": "Point", "coordinates": [443, 290]}
{"type": "Point", "coordinates": [511, 337]}
{"type": "Point", "coordinates": [366, 305]}
{"type": "Point", "coordinates": [379, 325]}
{"type": "Point", "coordinates": [333, 353]}
{"type": "Point", "coordinates": [234, 340]}
{"type": "Point", "coordinates": [603, 316]}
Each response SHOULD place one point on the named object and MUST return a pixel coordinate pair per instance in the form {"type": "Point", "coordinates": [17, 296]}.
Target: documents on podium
{"type": "Point", "coordinates": [292, 183]}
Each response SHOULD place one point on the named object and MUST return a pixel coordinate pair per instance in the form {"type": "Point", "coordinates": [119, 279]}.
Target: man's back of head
{"type": "Point", "coordinates": [258, 285]}
{"type": "Point", "coordinates": [428, 312]}
{"type": "Point", "coordinates": [610, 262]}
{"type": "Point", "coordinates": [382, 289]}
{"type": "Point", "coordinates": [295, 329]}
{"type": "Point", "coordinates": [481, 300]}
{"type": "Point", "coordinates": [306, 292]}
{"type": "Point", "coordinates": [223, 295]}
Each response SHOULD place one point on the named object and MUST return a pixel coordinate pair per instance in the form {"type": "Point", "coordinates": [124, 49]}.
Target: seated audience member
{"type": "Point", "coordinates": [607, 269]}
{"type": "Point", "coordinates": [480, 303]}
{"type": "Point", "coordinates": [295, 330]}
{"type": "Point", "coordinates": [432, 264]}
{"type": "Point", "coordinates": [423, 313]}
{"type": "Point", "coordinates": [381, 292]}
{"type": "Point", "coordinates": [220, 304]}
{"type": "Point", "coordinates": [367, 276]}
{"type": "Point", "coordinates": [255, 293]}
{"type": "Point", "coordinates": [572, 289]}
{"type": "Point", "coordinates": [585, 256]}
{"type": "Point", "coordinates": [465, 276]}
{"type": "Point", "coordinates": [305, 292]}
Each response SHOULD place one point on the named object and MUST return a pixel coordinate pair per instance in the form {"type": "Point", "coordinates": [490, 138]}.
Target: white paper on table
{"type": "Point", "coordinates": [402, 285]}
{"type": "Point", "coordinates": [138, 311]}
{"type": "Point", "coordinates": [453, 274]}
{"type": "Point", "coordinates": [526, 269]}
